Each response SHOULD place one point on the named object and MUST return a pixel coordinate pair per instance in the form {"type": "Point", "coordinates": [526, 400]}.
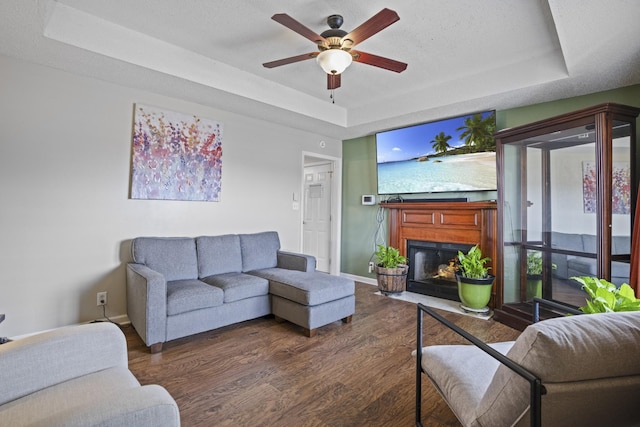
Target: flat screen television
{"type": "Point", "coordinates": [451, 155]}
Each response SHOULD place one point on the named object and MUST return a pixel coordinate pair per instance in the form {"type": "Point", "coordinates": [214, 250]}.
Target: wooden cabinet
{"type": "Point", "coordinates": [567, 190]}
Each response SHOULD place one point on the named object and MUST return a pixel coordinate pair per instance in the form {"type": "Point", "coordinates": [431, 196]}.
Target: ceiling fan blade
{"type": "Point", "coordinates": [333, 81]}
{"type": "Point", "coordinates": [378, 61]}
{"type": "Point", "coordinates": [376, 23]}
{"type": "Point", "coordinates": [296, 26]}
{"type": "Point", "coordinates": [290, 60]}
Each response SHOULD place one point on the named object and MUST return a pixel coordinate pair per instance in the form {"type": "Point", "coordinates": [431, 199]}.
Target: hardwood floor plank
{"type": "Point", "coordinates": [265, 373]}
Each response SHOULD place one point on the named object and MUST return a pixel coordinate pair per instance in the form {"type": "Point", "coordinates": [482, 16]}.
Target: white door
{"type": "Point", "coordinates": [316, 226]}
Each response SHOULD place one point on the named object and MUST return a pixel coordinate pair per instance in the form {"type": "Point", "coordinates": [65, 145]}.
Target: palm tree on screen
{"type": "Point", "coordinates": [478, 132]}
{"type": "Point", "coordinates": [440, 142]}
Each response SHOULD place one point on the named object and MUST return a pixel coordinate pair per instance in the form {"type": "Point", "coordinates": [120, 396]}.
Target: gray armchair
{"type": "Point", "coordinates": [77, 376]}
{"type": "Point", "coordinates": [570, 370]}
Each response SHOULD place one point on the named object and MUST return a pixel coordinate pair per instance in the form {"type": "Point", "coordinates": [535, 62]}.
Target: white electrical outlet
{"type": "Point", "coordinates": [370, 266]}
{"type": "Point", "coordinates": [101, 298]}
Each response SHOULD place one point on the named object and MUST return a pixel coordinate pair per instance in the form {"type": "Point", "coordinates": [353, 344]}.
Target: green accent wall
{"type": "Point", "coordinates": [358, 178]}
{"type": "Point", "coordinates": [364, 226]}
{"type": "Point", "coordinates": [629, 95]}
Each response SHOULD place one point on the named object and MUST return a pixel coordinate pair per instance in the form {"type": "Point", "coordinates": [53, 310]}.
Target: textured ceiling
{"type": "Point", "coordinates": [463, 55]}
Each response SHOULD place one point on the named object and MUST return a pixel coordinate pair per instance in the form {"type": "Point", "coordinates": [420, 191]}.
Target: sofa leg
{"type": "Point", "coordinates": [311, 332]}
{"type": "Point", "coordinates": [155, 348]}
{"type": "Point", "coordinates": [347, 319]}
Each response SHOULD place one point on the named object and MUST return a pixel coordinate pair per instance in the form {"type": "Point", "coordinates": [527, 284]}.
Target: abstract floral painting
{"type": "Point", "coordinates": [175, 156]}
{"type": "Point", "coordinates": [621, 192]}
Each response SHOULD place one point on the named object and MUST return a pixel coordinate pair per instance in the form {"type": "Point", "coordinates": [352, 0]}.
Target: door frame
{"type": "Point", "coordinates": [336, 205]}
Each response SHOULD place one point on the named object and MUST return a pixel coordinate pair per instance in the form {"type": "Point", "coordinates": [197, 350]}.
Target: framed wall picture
{"type": "Point", "coordinates": [621, 188]}
{"type": "Point", "coordinates": [175, 156]}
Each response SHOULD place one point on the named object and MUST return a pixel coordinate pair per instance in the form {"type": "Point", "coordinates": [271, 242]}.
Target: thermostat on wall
{"type": "Point", "coordinates": [368, 199]}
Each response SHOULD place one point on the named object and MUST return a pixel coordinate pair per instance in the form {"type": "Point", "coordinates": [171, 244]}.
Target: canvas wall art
{"type": "Point", "coordinates": [621, 192]}
{"type": "Point", "coordinates": [175, 156]}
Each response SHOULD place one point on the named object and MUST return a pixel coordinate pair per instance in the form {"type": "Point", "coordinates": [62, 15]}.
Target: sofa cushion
{"type": "Point", "coordinates": [572, 348]}
{"type": "Point", "coordinates": [306, 288]}
{"type": "Point", "coordinates": [567, 241]}
{"type": "Point", "coordinates": [238, 286]}
{"type": "Point", "coordinates": [620, 270]}
{"type": "Point", "coordinates": [173, 257]}
{"type": "Point", "coordinates": [621, 245]}
{"type": "Point", "coordinates": [589, 243]}
{"type": "Point", "coordinates": [462, 374]}
{"type": "Point", "coordinates": [218, 255]}
{"type": "Point", "coordinates": [259, 250]}
{"type": "Point", "coordinates": [189, 295]}
{"type": "Point", "coordinates": [581, 266]}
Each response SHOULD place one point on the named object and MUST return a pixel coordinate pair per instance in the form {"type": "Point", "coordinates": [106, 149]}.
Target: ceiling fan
{"type": "Point", "coordinates": [335, 51]}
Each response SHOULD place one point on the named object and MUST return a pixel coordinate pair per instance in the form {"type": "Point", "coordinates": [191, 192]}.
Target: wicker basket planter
{"type": "Point", "coordinates": [392, 280]}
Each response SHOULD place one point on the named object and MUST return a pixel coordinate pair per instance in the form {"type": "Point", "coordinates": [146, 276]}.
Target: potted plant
{"type": "Point", "coordinates": [534, 274]}
{"type": "Point", "coordinates": [474, 281]}
{"type": "Point", "coordinates": [605, 297]}
{"type": "Point", "coordinates": [391, 270]}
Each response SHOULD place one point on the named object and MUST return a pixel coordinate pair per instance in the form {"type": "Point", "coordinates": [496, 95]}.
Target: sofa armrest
{"type": "Point", "coordinates": [147, 303]}
{"type": "Point", "coordinates": [295, 261]}
{"type": "Point", "coordinates": [39, 361]}
{"type": "Point", "coordinates": [146, 406]}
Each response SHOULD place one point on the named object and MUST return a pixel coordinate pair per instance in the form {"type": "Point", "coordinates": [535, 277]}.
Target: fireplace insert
{"type": "Point", "coordinates": [432, 269]}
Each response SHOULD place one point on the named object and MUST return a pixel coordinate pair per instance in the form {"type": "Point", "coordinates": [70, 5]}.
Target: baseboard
{"type": "Point", "coordinates": [121, 320]}
{"type": "Point", "coordinates": [362, 279]}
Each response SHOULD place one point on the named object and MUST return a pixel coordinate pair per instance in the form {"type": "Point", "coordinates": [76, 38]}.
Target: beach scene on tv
{"type": "Point", "coordinates": [457, 154]}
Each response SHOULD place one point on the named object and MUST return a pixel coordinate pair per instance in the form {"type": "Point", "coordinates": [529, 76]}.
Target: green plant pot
{"type": "Point", "coordinates": [475, 293]}
{"type": "Point", "coordinates": [534, 286]}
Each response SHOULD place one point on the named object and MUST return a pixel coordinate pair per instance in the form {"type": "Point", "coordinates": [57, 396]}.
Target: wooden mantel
{"type": "Point", "coordinates": [466, 223]}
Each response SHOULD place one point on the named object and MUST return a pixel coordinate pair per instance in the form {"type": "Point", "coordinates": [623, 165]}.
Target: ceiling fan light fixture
{"type": "Point", "coordinates": [334, 61]}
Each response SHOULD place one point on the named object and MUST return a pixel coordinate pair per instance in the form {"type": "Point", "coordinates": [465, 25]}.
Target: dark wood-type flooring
{"type": "Point", "coordinates": [264, 373]}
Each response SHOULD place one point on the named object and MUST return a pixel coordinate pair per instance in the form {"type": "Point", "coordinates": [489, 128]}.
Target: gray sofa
{"type": "Point", "coordinates": [570, 265]}
{"type": "Point", "coordinates": [179, 286]}
{"type": "Point", "coordinates": [77, 376]}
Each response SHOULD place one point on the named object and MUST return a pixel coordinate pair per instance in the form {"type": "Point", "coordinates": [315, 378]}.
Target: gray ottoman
{"type": "Point", "coordinates": [309, 299]}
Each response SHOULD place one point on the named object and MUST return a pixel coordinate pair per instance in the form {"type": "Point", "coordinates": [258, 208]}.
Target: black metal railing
{"type": "Point", "coordinates": [563, 308]}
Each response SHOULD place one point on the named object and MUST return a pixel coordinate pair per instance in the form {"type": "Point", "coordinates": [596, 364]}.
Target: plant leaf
{"type": "Point", "coordinates": [626, 292]}
{"type": "Point", "coordinates": [606, 297]}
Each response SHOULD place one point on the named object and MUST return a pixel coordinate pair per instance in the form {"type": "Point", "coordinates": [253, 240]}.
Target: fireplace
{"type": "Point", "coordinates": [438, 230]}
{"type": "Point", "coordinates": [431, 268]}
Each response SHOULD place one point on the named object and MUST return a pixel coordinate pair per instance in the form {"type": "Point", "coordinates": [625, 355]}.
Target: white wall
{"type": "Point", "coordinates": [65, 218]}
{"type": "Point", "coordinates": [567, 197]}
{"type": "Point", "coordinates": [568, 214]}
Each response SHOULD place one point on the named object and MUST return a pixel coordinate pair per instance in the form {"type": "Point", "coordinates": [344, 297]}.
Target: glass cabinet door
{"type": "Point", "coordinates": [567, 191]}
